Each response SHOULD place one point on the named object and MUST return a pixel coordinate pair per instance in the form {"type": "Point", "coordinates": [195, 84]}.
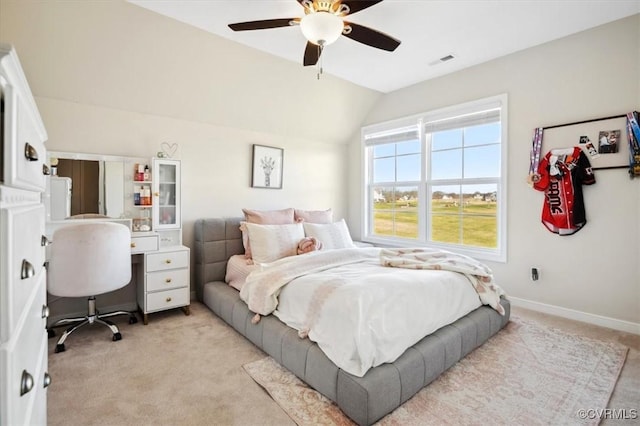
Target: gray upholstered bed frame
{"type": "Point", "coordinates": [364, 399]}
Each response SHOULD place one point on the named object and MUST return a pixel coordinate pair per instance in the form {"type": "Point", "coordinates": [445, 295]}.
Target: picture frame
{"type": "Point", "coordinates": [587, 135]}
{"type": "Point", "coordinates": [267, 166]}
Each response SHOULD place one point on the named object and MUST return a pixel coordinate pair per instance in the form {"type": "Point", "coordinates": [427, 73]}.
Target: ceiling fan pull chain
{"type": "Point", "coordinates": [318, 63]}
{"type": "Point", "coordinates": [319, 60]}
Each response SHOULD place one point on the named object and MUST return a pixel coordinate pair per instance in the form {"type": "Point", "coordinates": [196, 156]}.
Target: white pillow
{"type": "Point", "coordinates": [273, 242]}
{"type": "Point", "coordinates": [331, 235]}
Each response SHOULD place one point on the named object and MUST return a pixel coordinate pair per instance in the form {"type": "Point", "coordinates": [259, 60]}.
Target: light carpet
{"type": "Point", "coordinates": [526, 374]}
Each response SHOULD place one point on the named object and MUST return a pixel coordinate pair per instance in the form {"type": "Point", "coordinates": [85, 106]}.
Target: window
{"type": "Point", "coordinates": [438, 179]}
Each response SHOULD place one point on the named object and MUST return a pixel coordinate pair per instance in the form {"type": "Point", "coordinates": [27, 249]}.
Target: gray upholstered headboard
{"type": "Point", "coordinates": [216, 240]}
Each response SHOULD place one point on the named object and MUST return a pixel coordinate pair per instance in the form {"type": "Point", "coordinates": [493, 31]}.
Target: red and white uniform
{"type": "Point", "coordinates": [562, 174]}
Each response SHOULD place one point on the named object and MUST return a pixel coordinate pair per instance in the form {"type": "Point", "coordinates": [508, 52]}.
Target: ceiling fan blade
{"type": "Point", "coordinates": [371, 37]}
{"type": "Point", "coordinates": [358, 5]}
{"type": "Point", "coordinates": [262, 25]}
{"type": "Point", "coordinates": [311, 54]}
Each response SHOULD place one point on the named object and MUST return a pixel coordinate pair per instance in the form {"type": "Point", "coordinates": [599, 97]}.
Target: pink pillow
{"type": "Point", "coordinates": [263, 217]}
{"type": "Point", "coordinates": [269, 217]}
{"type": "Point", "coordinates": [313, 216]}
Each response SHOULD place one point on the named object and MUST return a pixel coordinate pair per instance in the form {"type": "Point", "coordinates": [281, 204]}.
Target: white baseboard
{"type": "Point", "coordinates": [616, 324]}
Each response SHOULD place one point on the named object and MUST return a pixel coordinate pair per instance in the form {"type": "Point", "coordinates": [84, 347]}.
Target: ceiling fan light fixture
{"type": "Point", "coordinates": [321, 28]}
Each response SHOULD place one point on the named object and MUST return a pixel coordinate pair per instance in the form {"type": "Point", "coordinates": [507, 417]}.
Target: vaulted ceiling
{"type": "Point", "coordinates": [472, 31]}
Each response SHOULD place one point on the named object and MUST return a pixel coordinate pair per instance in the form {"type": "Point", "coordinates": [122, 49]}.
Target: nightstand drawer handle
{"type": "Point", "coordinates": [133, 245]}
{"type": "Point", "coordinates": [167, 261]}
{"type": "Point", "coordinates": [47, 380]}
{"type": "Point", "coordinates": [168, 299]}
{"type": "Point", "coordinates": [30, 153]}
{"type": "Point", "coordinates": [26, 384]}
{"type": "Point", "coordinates": [27, 270]}
{"type": "Point", "coordinates": [45, 311]}
{"type": "Point", "coordinates": [45, 170]}
{"type": "Point", "coordinates": [168, 280]}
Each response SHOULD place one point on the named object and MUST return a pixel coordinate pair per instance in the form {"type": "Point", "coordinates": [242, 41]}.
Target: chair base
{"type": "Point", "coordinates": [91, 318]}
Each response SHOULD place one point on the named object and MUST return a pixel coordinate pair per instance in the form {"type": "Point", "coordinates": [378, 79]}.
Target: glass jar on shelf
{"type": "Point", "coordinates": [143, 222]}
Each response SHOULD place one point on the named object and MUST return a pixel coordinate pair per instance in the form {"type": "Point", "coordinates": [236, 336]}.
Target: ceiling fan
{"type": "Point", "coordinates": [323, 23]}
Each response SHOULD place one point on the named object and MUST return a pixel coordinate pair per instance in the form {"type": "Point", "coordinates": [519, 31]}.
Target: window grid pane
{"type": "Point", "coordinates": [445, 228]}
{"type": "Point", "coordinates": [480, 231]}
{"type": "Point", "coordinates": [395, 212]}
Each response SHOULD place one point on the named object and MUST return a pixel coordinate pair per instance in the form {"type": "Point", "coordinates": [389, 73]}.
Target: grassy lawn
{"type": "Point", "coordinates": [476, 218]}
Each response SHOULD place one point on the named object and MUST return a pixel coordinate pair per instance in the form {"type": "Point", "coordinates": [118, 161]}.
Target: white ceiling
{"type": "Point", "coordinates": [474, 31]}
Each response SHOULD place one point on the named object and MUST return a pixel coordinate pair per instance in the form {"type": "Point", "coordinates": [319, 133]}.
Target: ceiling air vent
{"type": "Point", "coordinates": [441, 60]}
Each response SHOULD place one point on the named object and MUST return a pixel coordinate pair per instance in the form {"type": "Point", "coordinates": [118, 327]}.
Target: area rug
{"type": "Point", "coordinates": [526, 374]}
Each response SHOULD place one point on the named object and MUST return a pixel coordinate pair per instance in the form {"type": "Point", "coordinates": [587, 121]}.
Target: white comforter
{"type": "Point", "coordinates": [360, 313]}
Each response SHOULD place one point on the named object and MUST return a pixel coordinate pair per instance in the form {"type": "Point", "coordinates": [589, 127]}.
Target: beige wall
{"type": "Point", "coordinates": [587, 75]}
{"type": "Point", "coordinates": [216, 161]}
{"type": "Point", "coordinates": [110, 77]}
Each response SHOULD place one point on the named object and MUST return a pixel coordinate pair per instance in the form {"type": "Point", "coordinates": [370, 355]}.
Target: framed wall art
{"type": "Point", "coordinates": [605, 140]}
{"type": "Point", "coordinates": [267, 167]}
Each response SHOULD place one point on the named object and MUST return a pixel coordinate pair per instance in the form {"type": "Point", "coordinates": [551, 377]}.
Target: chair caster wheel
{"type": "Point", "coordinates": [50, 333]}
{"type": "Point", "coordinates": [133, 320]}
{"type": "Point", "coordinates": [60, 348]}
{"type": "Point", "coordinates": [117, 336]}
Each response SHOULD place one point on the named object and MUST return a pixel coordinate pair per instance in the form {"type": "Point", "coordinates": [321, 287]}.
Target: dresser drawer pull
{"type": "Point", "coordinates": [47, 380]}
{"type": "Point", "coordinates": [45, 170]}
{"type": "Point", "coordinates": [168, 299]}
{"type": "Point", "coordinates": [26, 384]}
{"type": "Point", "coordinates": [168, 280]}
{"type": "Point", "coordinates": [30, 152]}
{"type": "Point", "coordinates": [44, 241]}
{"type": "Point", "coordinates": [27, 270]}
{"type": "Point", "coordinates": [45, 311]}
{"type": "Point", "coordinates": [133, 245]}
{"type": "Point", "coordinates": [167, 261]}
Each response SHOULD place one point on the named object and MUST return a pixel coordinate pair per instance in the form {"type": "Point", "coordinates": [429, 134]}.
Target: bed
{"type": "Point", "coordinates": [364, 399]}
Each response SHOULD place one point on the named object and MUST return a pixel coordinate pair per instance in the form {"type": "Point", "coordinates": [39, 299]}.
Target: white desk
{"type": "Point", "coordinates": [159, 280]}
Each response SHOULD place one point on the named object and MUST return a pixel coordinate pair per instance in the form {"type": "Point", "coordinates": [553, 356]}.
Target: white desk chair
{"type": "Point", "coordinates": [89, 259]}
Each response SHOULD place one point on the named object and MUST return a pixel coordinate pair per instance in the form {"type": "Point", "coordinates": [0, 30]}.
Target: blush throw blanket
{"type": "Point", "coordinates": [364, 307]}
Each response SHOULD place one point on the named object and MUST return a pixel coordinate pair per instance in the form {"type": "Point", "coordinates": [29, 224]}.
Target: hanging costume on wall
{"type": "Point", "coordinates": [562, 172]}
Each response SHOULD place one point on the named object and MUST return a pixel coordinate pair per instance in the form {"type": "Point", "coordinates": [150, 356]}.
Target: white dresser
{"type": "Point", "coordinates": [23, 310]}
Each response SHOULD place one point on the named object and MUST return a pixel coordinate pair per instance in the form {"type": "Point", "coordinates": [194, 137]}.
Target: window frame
{"type": "Point", "coordinates": [421, 121]}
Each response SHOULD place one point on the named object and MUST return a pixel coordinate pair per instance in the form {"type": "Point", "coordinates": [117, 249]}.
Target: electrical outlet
{"type": "Point", "coordinates": [535, 274]}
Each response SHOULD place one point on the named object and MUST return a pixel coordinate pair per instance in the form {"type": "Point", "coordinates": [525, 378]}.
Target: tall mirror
{"type": "Point", "coordinates": [83, 184]}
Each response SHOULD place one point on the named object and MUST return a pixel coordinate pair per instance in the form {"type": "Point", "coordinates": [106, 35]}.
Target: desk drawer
{"type": "Point", "coordinates": [167, 260]}
{"type": "Point", "coordinates": [162, 300]}
{"type": "Point", "coordinates": [166, 280]}
{"type": "Point", "coordinates": [144, 244]}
